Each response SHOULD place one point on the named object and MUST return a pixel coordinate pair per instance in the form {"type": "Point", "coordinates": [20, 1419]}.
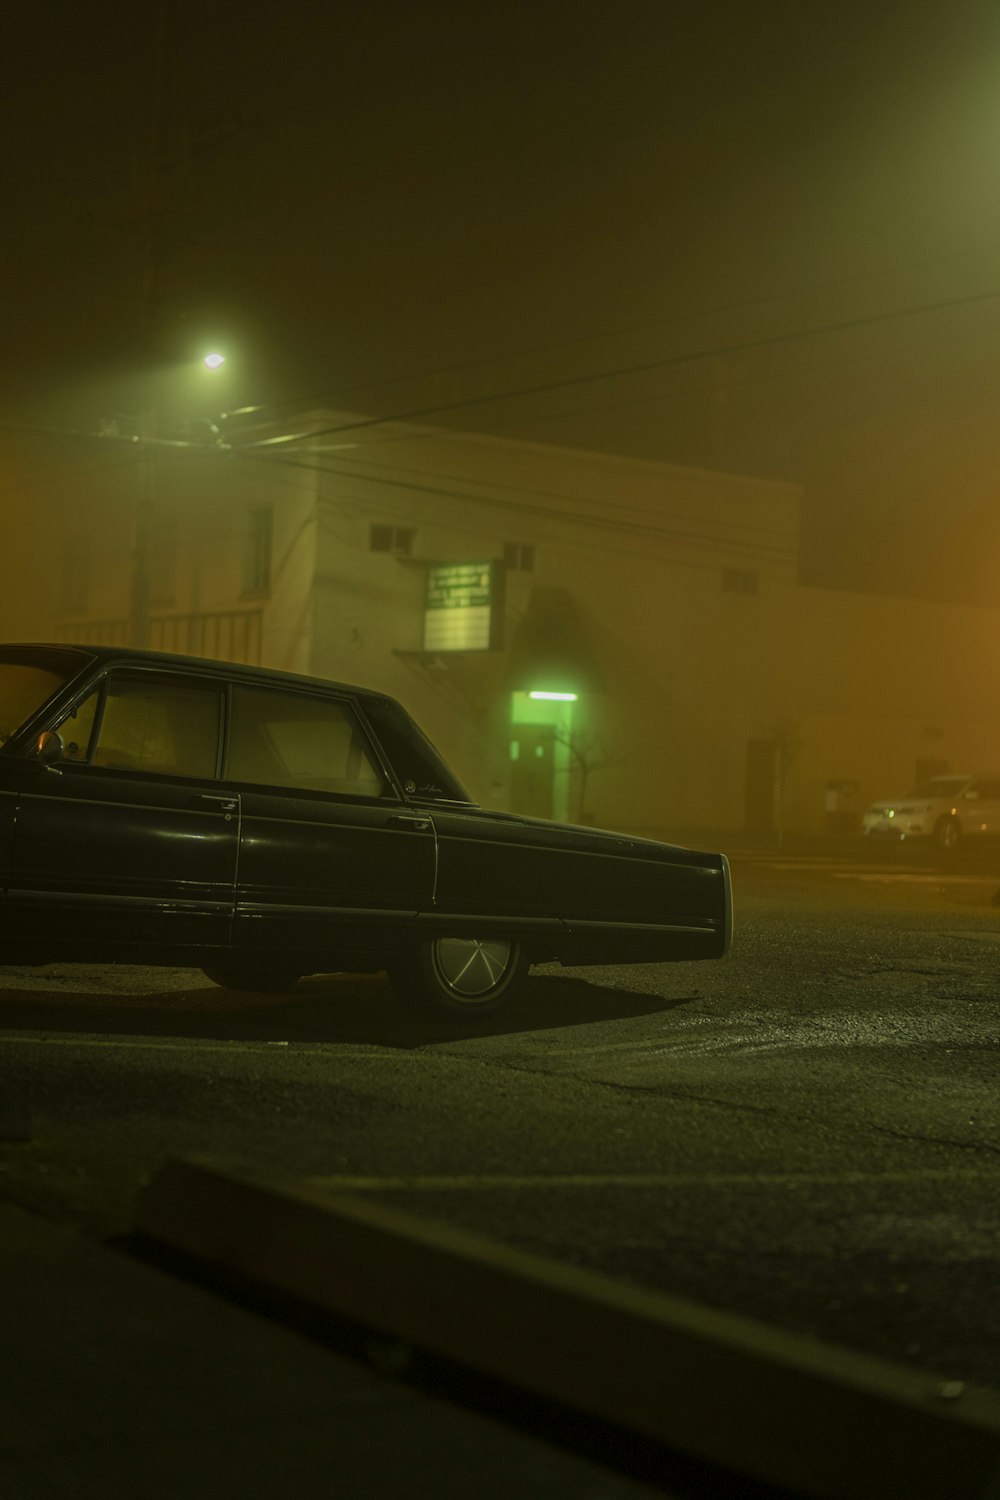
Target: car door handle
{"type": "Point", "coordinates": [409, 820]}
{"type": "Point", "coordinates": [227, 805]}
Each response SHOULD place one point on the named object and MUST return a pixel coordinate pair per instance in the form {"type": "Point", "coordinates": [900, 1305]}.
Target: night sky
{"type": "Point", "coordinates": [769, 231]}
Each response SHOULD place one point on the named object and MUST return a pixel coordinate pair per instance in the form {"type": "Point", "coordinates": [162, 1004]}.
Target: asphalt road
{"type": "Point", "coordinates": [808, 1132]}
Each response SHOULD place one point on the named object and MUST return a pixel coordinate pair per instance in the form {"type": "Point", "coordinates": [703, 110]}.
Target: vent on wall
{"type": "Point", "coordinates": [398, 539]}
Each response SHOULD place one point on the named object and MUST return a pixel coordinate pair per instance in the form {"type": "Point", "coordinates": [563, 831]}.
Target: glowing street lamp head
{"type": "Point", "coordinates": [213, 361]}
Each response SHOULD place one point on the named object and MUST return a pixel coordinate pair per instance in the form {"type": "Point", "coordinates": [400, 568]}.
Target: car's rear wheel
{"type": "Point", "coordinates": [240, 974]}
{"type": "Point", "coordinates": [460, 978]}
{"type": "Point", "coordinates": [947, 832]}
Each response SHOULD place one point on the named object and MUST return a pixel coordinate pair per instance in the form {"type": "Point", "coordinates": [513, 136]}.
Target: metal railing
{"type": "Point", "coordinates": [225, 635]}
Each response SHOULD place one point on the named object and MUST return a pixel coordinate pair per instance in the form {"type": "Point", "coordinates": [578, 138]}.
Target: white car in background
{"type": "Point", "coordinates": [945, 809]}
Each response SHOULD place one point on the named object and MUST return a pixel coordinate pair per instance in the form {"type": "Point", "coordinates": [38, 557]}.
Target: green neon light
{"type": "Point", "coordinates": [555, 697]}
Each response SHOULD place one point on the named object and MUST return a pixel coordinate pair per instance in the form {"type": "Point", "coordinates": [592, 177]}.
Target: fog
{"type": "Point", "coordinates": [761, 240]}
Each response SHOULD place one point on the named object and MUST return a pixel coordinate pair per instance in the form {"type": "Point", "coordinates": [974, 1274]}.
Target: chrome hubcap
{"type": "Point", "coordinates": [469, 967]}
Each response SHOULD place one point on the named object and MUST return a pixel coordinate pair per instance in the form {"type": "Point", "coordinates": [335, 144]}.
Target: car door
{"type": "Point", "coordinates": [129, 840]}
{"type": "Point", "coordinates": [331, 859]}
{"type": "Point", "coordinates": [981, 813]}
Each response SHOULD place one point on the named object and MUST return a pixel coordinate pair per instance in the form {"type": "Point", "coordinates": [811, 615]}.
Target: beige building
{"type": "Point", "coordinates": [585, 636]}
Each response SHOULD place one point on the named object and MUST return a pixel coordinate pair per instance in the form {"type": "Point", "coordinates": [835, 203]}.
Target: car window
{"type": "Point", "coordinates": [414, 759]}
{"type": "Point", "coordinates": [147, 725]}
{"type": "Point", "coordinates": [24, 687]}
{"type": "Point", "coordinates": [293, 740]}
{"type": "Point", "coordinates": [938, 786]}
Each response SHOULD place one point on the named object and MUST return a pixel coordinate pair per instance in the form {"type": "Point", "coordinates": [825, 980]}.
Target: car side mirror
{"type": "Point", "coordinates": [49, 748]}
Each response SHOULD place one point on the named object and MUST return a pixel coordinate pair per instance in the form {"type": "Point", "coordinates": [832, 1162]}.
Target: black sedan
{"type": "Point", "coordinates": [262, 826]}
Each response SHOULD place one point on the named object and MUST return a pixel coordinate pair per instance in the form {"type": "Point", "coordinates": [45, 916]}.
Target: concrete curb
{"type": "Point", "coordinates": [789, 1411]}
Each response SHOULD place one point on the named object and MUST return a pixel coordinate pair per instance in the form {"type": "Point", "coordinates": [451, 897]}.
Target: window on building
{"type": "Point", "coordinates": [257, 550]}
{"type": "Point", "coordinates": [384, 538]}
{"type": "Point", "coordinates": [519, 556]}
{"type": "Point", "coordinates": [739, 581]}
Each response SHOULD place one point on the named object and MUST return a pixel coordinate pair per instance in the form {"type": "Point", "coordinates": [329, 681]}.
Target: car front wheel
{"type": "Point", "coordinates": [460, 978]}
{"type": "Point", "coordinates": [947, 832]}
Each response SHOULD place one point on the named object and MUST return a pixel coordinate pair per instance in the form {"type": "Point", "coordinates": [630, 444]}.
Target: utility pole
{"type": "Point", "coordinates": [151, 189]}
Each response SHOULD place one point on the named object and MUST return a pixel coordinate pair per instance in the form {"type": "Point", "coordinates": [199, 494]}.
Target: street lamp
{"type": "Point", "coordinates": [214, 360]}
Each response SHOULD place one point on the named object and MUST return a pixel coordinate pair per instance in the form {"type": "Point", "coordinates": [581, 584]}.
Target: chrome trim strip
{"type": "Point", "coordinates": [157, 905]}
{"type": "Point", "coordinates": [362, 826]}
{"type": "Point", "coordinates": [439, 918]}
{"type": "Point", "coordinates": [280, 909]}
{"type": "Point", "coordinates": [639, 859]}
{"type": "Point", "coordinates": [569, 925]}
{"type": "Point", "coordinates": [575, 924]}
{"type": "Point", "coordinates": [444, 918]}
{"type": "Point", "coordinates": [136, 805]}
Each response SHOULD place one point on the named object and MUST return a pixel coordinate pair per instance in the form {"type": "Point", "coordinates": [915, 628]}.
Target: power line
{"type": "Point", "coordinates": [521, 489]}
{"type": "Point", "coordinates": [174, 450]}
{"type": "Point", "coordinates": [605, 523]}
{"type": "Point", "coordinates": [673, 320]}
{"type": "Point", "coordinates": [748, 345]}
{"type": "Point", "coordinates": [676, 394]}
{"type": "Point", "coordinates": [625, 544]}
{"type": "Point", "coordinates": [76, 473]}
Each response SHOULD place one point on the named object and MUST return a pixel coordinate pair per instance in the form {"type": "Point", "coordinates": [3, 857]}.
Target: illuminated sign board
{"type": "Point", "coordinates": [463, 606]}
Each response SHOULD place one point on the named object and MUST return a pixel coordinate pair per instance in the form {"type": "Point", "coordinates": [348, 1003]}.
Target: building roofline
{"type": "Point", "coordinates": [402, 431]}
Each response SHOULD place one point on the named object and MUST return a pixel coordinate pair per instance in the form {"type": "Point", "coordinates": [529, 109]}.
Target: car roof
{"type": "Point", "coordinates": [108, 655]}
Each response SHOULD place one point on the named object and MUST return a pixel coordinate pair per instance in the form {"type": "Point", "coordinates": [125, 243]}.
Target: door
{"type": "Point", "coordinates": [331, 860]}
{"type": "Point", "coordinates": [532, 769]}
{"type": "Point", "coordinates": [129, 839]}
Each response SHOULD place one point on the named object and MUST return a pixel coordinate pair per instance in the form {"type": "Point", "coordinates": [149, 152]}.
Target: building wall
{"type": "Point", "coordinates": [703, 645]}
{"type": "Point", "coordinates": [863, 689]}
{"type": "Point", "coordinates": [640, 549]}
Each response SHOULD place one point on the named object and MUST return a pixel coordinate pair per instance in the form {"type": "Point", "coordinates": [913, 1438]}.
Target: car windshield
{"type": "Point", "coordinates": [940, 786]}
{"type": "Point", "coordinates": [27, 680]}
